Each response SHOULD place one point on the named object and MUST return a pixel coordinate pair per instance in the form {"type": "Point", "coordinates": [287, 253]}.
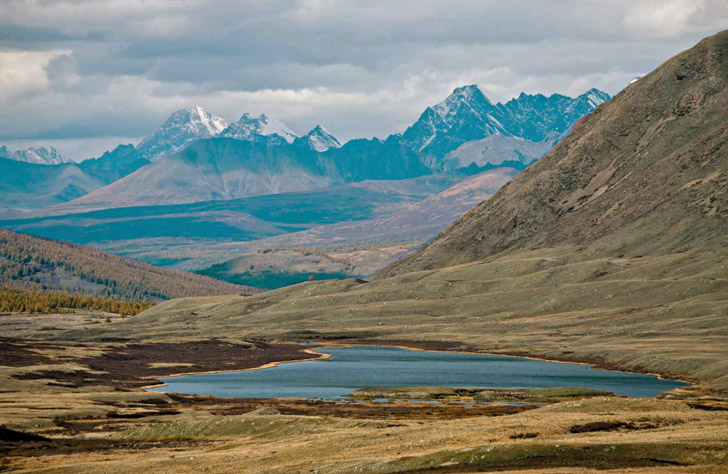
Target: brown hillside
{"type": "Point", "coordinates": [35, 263]}
{"type": "Point", "coordinates": [610, 250]}
{"type": "Point", "coordinates": [648, 169]}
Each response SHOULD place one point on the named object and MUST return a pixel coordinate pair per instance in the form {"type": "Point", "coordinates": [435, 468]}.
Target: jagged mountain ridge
{"type": "Point", "coordinates": [468, 115]}
{"type": "Point", "coordinates": [39, 156]}
{"type": "Point", "coordinates": [319, 139]}
{"type": "Point", "coordinates": [180, 129]}
{"type": "Point", "coordinates": [281, 162]}
{"type": "Point", "coordinates": [252, 128]}
{"type": "Point", "coordinates": [465, 115]}
{"type": "Point", "coordinates": [645, 174]}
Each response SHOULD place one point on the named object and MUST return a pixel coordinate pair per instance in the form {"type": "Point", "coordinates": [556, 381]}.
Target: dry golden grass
{"type": "Point", "coordinates": [664, 314]}
{"type": "Point", "coordinates": [668, 436]}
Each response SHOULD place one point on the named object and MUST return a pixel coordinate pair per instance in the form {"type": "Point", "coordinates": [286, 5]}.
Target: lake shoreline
{"type": "Point", "coordinates": [267, 365]}
{"type": "Point", "coordinates": [639, 390]}
{"type": "Point", "coordinates": [593, 365]}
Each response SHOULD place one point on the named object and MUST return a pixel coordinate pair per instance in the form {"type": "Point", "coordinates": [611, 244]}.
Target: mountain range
{"type": "Point", "coordinates": [609, 250]}
{"type": "Point", "coordinates": [196, 156]}
{"type": "Point", "coordinates": [229, 169]}
{"type": "Point", "coordinates": [38, 156]}
{"type": "Point", "coordinates": [180, 129]}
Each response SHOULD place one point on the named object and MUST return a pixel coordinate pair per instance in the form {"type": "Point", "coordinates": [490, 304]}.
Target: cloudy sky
{"type": "Point", "coordinates": [86, 75]}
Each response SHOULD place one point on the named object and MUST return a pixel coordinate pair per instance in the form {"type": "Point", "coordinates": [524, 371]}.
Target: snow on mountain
{"type": "Point", "coordinates": [39, 156]}
{"type": "Point", "coordinates": [595, 97]}
{"type": "Point", "coordinates": [319, 139]}
{"type": "Point", "coordinates": [180, 129]}
{"type": "Point", "coordinates": [249, 128]}
{"type": "Point", "coordinates": [467, 112]}
{"type": "Point", "coordinates": [468, 115]}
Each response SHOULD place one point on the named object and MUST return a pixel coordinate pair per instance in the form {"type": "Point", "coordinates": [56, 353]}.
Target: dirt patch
{"type": "Point", "coordinates": [12, 436]}
{"type": "Point", "coordinates": [367, 340]}
{"type": "Point", "coordinates": [52, 447]}
{"type": "Point", "coordinates": [21, 352]}
{"type": "Point", "coordinates": [709, 405]}
{"type": "Point", "coordinates": [356, 410]}
{"type": "Point", "coordinates": [618, 425]}
{"type": "Point", "coordinates": [136, 365]}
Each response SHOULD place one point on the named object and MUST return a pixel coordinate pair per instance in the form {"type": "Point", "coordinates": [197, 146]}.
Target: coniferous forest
{"type": "Point", "coordinates": [34, 263]}
{"type": "Point", "coordinates": [32, 301]}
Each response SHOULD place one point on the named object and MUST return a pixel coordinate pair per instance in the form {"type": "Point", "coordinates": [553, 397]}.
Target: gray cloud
{"type": "Point", "coordinates": [92, 70]}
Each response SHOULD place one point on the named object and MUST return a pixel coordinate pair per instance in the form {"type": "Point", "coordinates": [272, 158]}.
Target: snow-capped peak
{"type": "Point", "coordinates": [595, 97]}
{"type": "Point", "coordinates": [249, 126]}
{"type": "Point", "coordinates": [465, 95]}
{"type": "Point", "coordinates": [181, 128]}
{"type": "Point", "coordinates": [467, 115]}
{"type": "Point", "coordinates": [40, 156]}
{"type": "Point", "coordinates": [319, 139]}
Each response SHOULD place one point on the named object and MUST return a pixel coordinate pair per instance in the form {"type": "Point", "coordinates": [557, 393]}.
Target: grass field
{"type": "Point", "coordinates": [69, 406]}
{"type": "Point", "coordinates": [663, 314]}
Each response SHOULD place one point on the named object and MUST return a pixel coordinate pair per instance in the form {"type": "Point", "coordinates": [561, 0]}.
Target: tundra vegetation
{"type": "Point", "coordinates": [609, 250]}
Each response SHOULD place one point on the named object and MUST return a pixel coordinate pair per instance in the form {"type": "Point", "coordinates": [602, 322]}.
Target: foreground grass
{"type": "Point", "coordinates": [609, 434]}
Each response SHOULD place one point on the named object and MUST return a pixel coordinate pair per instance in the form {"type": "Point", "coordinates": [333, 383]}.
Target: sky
{"type": "Point", "coordinates": [85, 76]}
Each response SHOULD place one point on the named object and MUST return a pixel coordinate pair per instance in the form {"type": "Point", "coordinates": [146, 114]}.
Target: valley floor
{"type": "Point", "coordinates": [78, 406]}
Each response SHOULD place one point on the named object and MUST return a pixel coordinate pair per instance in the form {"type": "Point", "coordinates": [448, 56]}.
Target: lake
{"type": "Point", "coordinates": [356, 367]}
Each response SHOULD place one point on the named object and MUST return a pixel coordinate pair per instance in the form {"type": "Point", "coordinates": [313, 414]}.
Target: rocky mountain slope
{"type": "Point", "coordinates": [179, 130]}
{"type": "Point", "coordinates": [609, 250]}
{"type": "Point", "coordinates": [34, 263]}
{"type": "Point", "coordinates": [467, 115]}
{"type": "Point", "coordinates": [319, 139]}
{"type": "Point", "coordinates": [646, 171]}
{"type": "Point", "coordinates": [39, 156]}
{"type": "Point", "coordinates": [31, 186]}
{"type": "Point", "coordinates": [252, 128]}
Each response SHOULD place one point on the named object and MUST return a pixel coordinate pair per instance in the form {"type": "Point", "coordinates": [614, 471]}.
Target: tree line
{"type": "Point", "coordinates": [30, 301]}
{"type": "Point", "coordinates": [38, 263]}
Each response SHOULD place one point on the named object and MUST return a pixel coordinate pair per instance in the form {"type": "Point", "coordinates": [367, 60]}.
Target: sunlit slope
{"type": "Point", "coordinates": [612, 249]}
{"type": "Point", "coordinates": [647, 171]}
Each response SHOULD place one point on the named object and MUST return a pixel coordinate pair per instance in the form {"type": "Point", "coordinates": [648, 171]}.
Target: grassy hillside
{"type": "Point", "coordinates": [275, 268]}
{"type": "Point", "coordinates": [35, 263]}
{"type": "Point", "coordinates": [610, 250]}
{"type": "Point", "coordinates": [646, 174]}
{"type": "Point", "coordinates": [195, 236]}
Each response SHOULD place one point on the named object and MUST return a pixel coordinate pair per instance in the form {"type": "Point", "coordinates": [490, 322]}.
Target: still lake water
{"type": "Point", "coordinates": [352, 368]}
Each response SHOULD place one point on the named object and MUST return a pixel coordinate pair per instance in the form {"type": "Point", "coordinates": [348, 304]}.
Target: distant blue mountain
{"type": "Point", "coordinates": [27, 185]}
{"type": "Point", "coordinates": [196, 156]}
{"type": "Point", "coordinates": [467, 115]}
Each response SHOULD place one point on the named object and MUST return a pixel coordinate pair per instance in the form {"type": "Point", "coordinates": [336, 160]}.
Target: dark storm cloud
{"type": "Point", "coordinates": [88, 69]}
